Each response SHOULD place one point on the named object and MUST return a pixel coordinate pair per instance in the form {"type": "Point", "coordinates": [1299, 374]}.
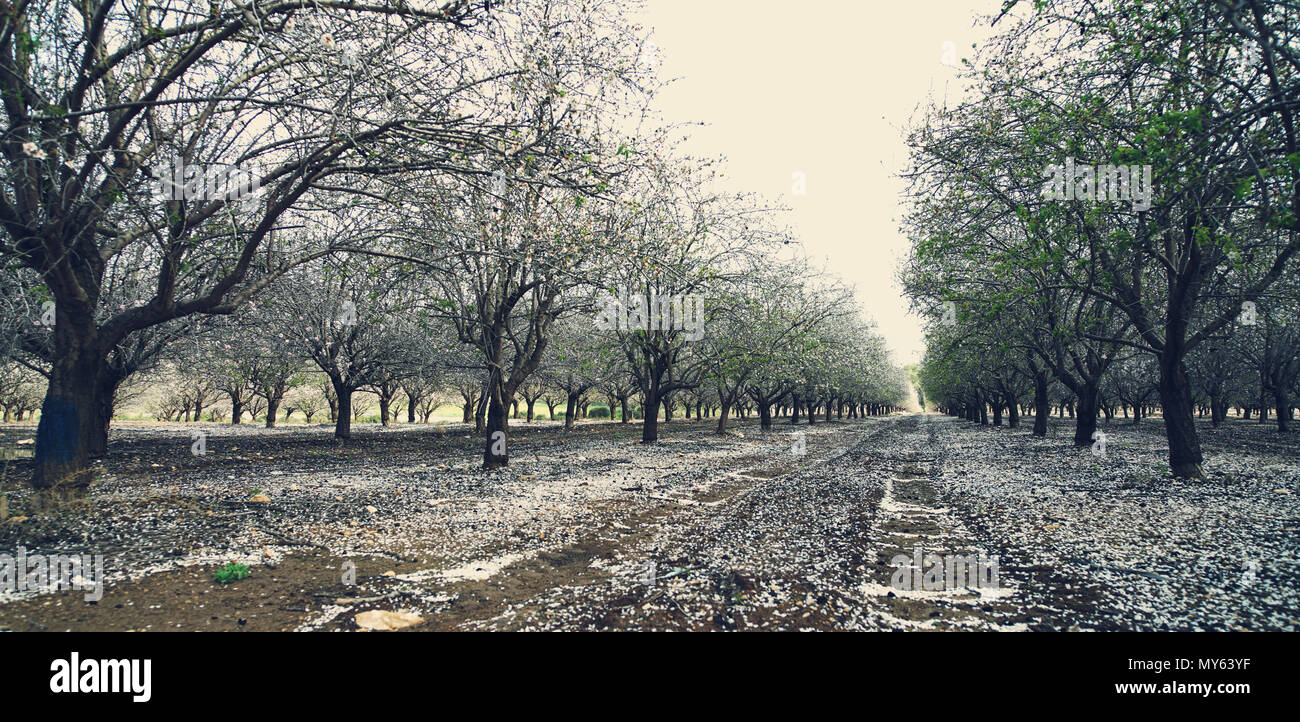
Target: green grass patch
{"type": "Point", "coordinates": [231, 573]}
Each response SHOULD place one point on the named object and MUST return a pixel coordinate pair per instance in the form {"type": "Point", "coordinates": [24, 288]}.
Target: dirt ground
{"type": "Point", "coordinates": [800, 528]}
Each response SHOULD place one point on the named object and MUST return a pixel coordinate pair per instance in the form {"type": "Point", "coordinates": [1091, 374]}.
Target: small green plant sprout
{"type": "Point", "coordinates": [254, 491]}
{"type": "Point", "coordinates": [230, 573]}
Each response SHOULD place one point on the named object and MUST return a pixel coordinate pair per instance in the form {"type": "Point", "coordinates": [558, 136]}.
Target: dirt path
{"type": "Point", "coordinates": [873, 524]}
{"type": "Point", "coordinates": [793, 543]}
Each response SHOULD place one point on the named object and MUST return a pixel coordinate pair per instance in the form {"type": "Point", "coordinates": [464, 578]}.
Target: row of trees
{"type": "Point", "coordinates": [447, 191]}
{"type": "Point", "coordinates": [21, 390]}
{"type": "Point", "coordinates": [1186, 296]}
{"type": "Point", "coordinates": [1224, 378]}
{"type": "Point", "coordinates": [181, 395]}
{"type": "Point", "coordinates": [329, 333]}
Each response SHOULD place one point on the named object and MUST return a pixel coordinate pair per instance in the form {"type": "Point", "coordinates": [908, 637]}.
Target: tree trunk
{"type": "Point", "coordinates": [479, 412]}
{"type": "Point", "coordinates": [1085, 418]}
{"type": "Point", "coordinates": [1283, 405]}
{"type": "Point", "coordinates": [98, 444]}
{"type": "Point", "coordinates": [496, 454]}
{"type": "Point", "coordinates": [570, 410]}
{"type": "Point", "coordinates": [650, 423]}
{"type": "Point", "coordinates": [72, 420]}
{"type": "Point", "coordinates": [1180, 429]}
{"type": "Point", "coordinates": [343, 424]}
{"type": "Point", "coordinates": [272, 408]}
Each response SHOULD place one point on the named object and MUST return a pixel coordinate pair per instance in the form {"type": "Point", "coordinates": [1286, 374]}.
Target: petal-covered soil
{"type": "Point", "coordinates": [588, 529]}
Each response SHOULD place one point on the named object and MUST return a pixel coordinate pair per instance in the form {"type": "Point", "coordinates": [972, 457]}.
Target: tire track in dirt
{"type": "Point", "coordinates": [940, 577]}
{"type": "Point", "coordinates": [712, 543]}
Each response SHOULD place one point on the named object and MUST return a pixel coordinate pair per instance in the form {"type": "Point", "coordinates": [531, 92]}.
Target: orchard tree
{"type": "Point", "coordinates": [1192, 95]}
{"type": "Point", "coordinates": [354, 320]}
{"type": "Point", "coordinates": [507, 249]}
{"type": "Point", "coordinates": [109, 101]}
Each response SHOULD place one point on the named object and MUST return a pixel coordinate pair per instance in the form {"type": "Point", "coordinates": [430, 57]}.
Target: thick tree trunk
{"type": "Point", "coordinates": [1218, 409]}
{"type": "Point", "coordinates": [570, 410]}
{"type": "Point", "coordinates": [764, 415]}
{"type": "Point", "coordinates": [1085, 419]}
{"type": "Point", "coordinates": [650, 423]}
{"type": "Point", "coordinates": [411, 401]}
{"type": "Point", "coordinates": [496, 453]}
{"type": "Point", "coordinates": [1180, 429]}
{"type": "Point", "coordinates": [343, 424]}
{"type": "Point", "coordinates": [72, 421]}
{"type": "Point", "coordinates": [1282, 403]}
{"type": "Point", "coordinates": [98, 443]}
{"type": "Point", "coordinates": [722, 418]}
{"type": "Point", "coordinates": [272, 408]}
{"type": "Point", "coordinates": [623, 408]}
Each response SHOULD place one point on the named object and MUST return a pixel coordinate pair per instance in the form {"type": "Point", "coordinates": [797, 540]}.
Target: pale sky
{"type": "Point", "coordinates": [825, 88]}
